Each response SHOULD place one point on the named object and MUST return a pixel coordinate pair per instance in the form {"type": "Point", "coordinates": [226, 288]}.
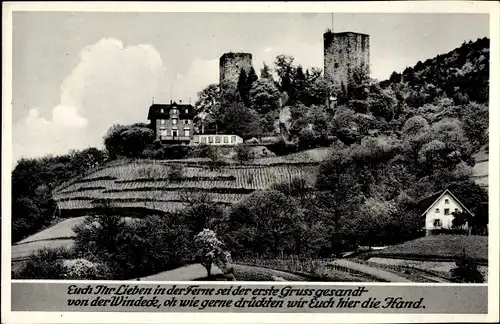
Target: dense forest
{"type": "Point", "coordinates": [393, 143]}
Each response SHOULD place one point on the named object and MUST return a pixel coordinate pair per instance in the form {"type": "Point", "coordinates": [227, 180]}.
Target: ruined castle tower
{"type": "Point", "coordinates": [342, 53]}
{"type": "Point", "coordinates": [230, 65]}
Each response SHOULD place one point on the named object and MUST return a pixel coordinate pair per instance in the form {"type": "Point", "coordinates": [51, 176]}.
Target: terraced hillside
{"type": "Point", "coordinates": [166, 186]}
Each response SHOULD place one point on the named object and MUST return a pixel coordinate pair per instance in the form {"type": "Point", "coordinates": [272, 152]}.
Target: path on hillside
{"type": "Point", "coordinates": [186, 273]}
{"type": "Point", "coordinates": [374, 272]}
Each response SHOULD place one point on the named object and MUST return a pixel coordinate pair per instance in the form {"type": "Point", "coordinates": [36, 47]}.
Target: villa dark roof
{"type": "Point", "coordinates": [155, 111]}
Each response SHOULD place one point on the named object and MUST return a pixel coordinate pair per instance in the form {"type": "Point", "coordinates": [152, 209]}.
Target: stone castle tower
{"type": "Point", "coordinates": [342, 53]}
{"type": "Point", "coordinates": [230, 65]}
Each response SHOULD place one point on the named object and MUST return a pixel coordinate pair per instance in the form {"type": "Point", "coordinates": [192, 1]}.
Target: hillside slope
{"type": "Point", "coordinates": [156, 186]}
{"type": "Point", "coordinates": [461, 74]}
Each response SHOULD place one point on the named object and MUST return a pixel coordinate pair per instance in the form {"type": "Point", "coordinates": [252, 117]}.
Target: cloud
{"type": "Point", "coordinates": [112, 83]}
{"type": "Point", "coordinates": [200, 74]}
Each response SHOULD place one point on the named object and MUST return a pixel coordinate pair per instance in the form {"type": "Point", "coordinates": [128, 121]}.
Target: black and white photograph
{"type": "Point", "coordinates": [250, 146]}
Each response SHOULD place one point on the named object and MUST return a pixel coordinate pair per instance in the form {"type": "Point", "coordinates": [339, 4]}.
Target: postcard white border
{"type": "Point", "coordinates": [491, 8]}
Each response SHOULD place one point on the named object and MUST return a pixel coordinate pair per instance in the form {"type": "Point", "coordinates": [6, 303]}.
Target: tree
{"type": "Point", "coordinates": [209, 250]}
{"type": "Point", "coordinates": [264, 96]}
{"type": "Point", "coordinates": [299, 91]}
{"type": "Point", "coordinates": [242, 87]}
{"type": "Point", "coordinates": [265, 72]}
{"type": "Point", "coordinates": [135, 139]}
{"type": "Point", "coordinates": [285, 70]}
{"type": "Point", "coordinates": [113, 140]}
{"type": "Point", "coordinates": [201, 212]}
{"type": "Point", "coordinates": [450, 132]}
{"type": "Point", "coordinates": [241, 120]}
{"type": "Point", "coordinates": [475, 123]}
{"type": "Point", "coordinates": [243, 153]}
{"type": "Point", "coordinates": [383, 104]}
{"type": "Point", "coordinates": [251, 77]}
{"type": "Point", "coordinates": [207, 99]}
{"type": "Point", "coordinates": [264, 223]}
{"type": "Point", "coordinates": [359, 83]}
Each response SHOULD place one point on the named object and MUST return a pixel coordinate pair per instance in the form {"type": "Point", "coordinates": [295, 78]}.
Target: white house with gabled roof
{"type": "Point", "coordinates": [438, 214]}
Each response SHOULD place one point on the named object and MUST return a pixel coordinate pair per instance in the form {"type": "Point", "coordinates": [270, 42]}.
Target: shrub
{"type": "Point", "coordinates": [243, 153]}
{"type": "Point", "coordinates": [136, 248]}
{"type": "Point", "coordinates": [175, 172]}
{"type": "Point", "coordinates": [85, 270]}
{"type": "Point", "coordinates": [466, 270]}
{"type": "Point", "coordinates": [200, 151]}
{"type": "Point", "coordinates": [44, 264]}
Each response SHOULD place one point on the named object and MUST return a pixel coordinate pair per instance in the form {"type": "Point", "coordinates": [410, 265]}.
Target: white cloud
{"type": "Point", "coordinates": [201, 73]}
{"type": "Point", "coordinates": [111, 83]}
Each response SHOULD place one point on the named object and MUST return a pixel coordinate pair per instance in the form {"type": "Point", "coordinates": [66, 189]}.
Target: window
{"type": "Point", "coordinates": [204, 140]}
{"type": "Point", "coordinates": [163, 132]}
{"type": "Point", "coordinates": [174, 111]}
{"type": "Point", "coordinates": [446, 211]}
{"type": "Point", "coordinates": [161, 110]}
{"type": "Point", "coordinates": [162, 121]}
{"type": "Point", "coordinates": [174, 121]}
{"type": "Point", "coordinates": [186, 132]}
{"type": "Point", "coordinates": [186, 111]}
{"type": "Point", "coordinates": [437, 223]}
{"type": "Point", "coordinates": [210, 139]}
{"type": "Point", "coordinates": [188, 122]}
{"type": "Point", "coordinates": [446, 201]}
{"type": "Point", "coordinates": [217, 139]}
{"type": "Point", "coordinates": [233, 139]}
{"type": "Point", "coordinates": [437, 210]}
{"type": "Point", "coordinates": [226, 139]}
{"type": "Point", "coordinates": [174, 133]}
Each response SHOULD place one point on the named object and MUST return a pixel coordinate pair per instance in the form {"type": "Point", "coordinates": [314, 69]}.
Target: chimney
{"type": "Point", "coordinates": [180, 101]}
{"type": "Point", "coordinates": [170, 101]}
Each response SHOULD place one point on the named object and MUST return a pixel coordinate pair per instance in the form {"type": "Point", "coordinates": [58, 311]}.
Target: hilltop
{"type": "Point", "coordinates": [461, 74]}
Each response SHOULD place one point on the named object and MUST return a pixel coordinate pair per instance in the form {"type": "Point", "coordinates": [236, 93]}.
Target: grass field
{"type": "Point", "coordinates": [61, 230]}
{"type": "Point", "coordinates": [438, 247]}
{"type": "Point", "coordinates": [59, 235]}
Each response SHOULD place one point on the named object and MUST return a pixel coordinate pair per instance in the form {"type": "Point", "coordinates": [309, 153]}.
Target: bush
{"type": "Point", "coordinates": [243, 153]}
{"type": "Point", "coordinates": [281, 147]}
{"type": "Point", "coordinates": [175, 172]}
{"type": "Point", "coordinates": [85, 270]}
{"type": "Point", "coordinates": [466, 271]}
{"type": "Point", "coordinates": [136, 248]}
{"type": "Point", "coordinates": [200, 151]}
{"type": "Point", "coordinates": [44, 264]}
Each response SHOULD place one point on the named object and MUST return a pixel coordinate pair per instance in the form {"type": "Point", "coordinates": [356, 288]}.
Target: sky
{"type": "Point", "coordinates": [77, 73]}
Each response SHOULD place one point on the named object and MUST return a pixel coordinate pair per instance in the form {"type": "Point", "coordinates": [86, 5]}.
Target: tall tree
{"type": "Point", "coordinates": [242, 87]}
{"type": "Point", "coordinates": [265, 72]}
{"type": "Point", "coordinates": [285, 69]}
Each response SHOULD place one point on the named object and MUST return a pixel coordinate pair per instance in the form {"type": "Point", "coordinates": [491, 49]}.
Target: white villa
{"type": "Point", "coordinates": [439, 213]}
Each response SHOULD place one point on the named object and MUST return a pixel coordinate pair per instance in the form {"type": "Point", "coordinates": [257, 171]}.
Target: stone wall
{"type": "Point", "coordinates": [230, 65]}
{"type": "Point", "coordinates": [342, 53]}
